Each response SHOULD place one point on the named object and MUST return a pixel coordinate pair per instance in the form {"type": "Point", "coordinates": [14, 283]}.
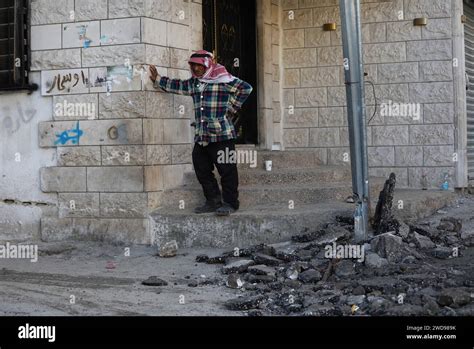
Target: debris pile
{"type": "Point", "coordinates": [324, 273]}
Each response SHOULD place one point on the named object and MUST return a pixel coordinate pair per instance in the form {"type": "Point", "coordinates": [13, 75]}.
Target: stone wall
{"type": "Point", "coordinates": [407, 63]}
{"type": "Point", "coordinates": [122, 142]}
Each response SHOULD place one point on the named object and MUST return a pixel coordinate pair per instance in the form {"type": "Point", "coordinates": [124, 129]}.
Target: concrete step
{"type": "Point", "coordinates": [258, 176]}
{"type": "Point", "coordinates": [271, 223]}
{"type": "Point", "coordinates": [262, 224]}
{"type": "Point", "coordinates": [260, 194]}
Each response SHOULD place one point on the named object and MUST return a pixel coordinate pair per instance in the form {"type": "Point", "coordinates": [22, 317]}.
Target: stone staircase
{"type": "Point", "coordinates": [318, 193]}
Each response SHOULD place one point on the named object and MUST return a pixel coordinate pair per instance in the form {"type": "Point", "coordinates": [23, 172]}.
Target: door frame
{"type": "Point", "coordinates": [264, 64]}
{"type": "Point", "coordinates": [460, 99]}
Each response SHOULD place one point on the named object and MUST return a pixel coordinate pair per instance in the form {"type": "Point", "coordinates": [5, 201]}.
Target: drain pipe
{"type": "Point", "coordinates": [354, 81]}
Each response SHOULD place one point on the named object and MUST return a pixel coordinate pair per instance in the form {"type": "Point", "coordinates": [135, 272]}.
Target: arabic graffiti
{"type": "Point", "coordinates": [12, 124]}
{"type": "Point", "coordinates": [64, 137]}
{"type": "Point", "coordinates": [61, 80]}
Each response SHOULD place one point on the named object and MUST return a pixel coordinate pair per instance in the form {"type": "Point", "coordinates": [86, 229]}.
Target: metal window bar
{"type": "Point", "coordinates": [17, 48]}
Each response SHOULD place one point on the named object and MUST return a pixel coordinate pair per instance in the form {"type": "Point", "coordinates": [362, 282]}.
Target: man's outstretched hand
{"type": "Point", "coordinates": [154, 73]}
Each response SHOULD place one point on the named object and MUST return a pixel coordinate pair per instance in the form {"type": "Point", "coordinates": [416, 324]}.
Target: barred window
{"type": "Point", "coordinates": [14, 45]}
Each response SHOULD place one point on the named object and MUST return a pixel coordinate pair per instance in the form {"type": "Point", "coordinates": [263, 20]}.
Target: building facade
{"type": "Point", "coordinates": [95, 146]}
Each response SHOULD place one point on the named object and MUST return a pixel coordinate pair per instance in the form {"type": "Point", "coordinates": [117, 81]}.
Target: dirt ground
{"type": "Point", "coordinates": [92, 278]}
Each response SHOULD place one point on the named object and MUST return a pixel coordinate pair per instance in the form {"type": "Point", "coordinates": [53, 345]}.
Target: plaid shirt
{"type": "Point", "coordinates": [213, 103]}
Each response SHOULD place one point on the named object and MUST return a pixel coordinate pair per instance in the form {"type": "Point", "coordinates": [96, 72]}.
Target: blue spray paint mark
{"type": "Point", "coordinates": [64, 137]}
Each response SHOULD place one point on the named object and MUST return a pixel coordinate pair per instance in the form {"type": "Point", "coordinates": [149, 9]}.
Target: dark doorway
{"type": "Point", "coordinates": [229, 29]}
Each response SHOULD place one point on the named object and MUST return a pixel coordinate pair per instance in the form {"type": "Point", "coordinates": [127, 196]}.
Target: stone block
{"type": "Point", "coordinates": [123, 155]}
{"type": "Point", "coordinates": [63, 179]}
{"type": "Point", "coordinates": [115, 179]}
{"type": "Point", "coordinates": [123, 205]}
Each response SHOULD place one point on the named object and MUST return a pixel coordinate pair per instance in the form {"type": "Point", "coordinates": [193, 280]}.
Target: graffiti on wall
{"type": "Point", "coordinates": [72, 135]}
{"type": "Point", "coordinates": [11, 120]}
{"type": "Point", "coordinates": [63, 82]}
{"type": "Point", "coordinates": [57, 82]}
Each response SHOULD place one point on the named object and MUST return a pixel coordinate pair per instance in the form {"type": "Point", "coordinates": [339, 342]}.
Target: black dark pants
{"type": "Point", "coordinates": [204, 160]}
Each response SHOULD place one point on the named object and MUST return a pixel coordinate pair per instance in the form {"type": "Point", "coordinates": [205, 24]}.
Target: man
{"type": "Point", "coordinates": [217, 95]}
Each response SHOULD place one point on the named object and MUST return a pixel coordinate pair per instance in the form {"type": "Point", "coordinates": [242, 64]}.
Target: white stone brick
{"type": "Point", "coordinates": [294, 58]}
{"type": "Point", "coordinates": [427, 8]}
{"type": "Point", "coordinates": [293, 38]}
{"type": "Point", "coordinates": [158, 55]}
{"type": "Point", "coordinates": [293, 19]}
{"type": "Point", "coordinates": [319, 77]}
{"type": "Point", "coordinates": [438, 113]}
{"type": "Point", "coordinates": [429, 50]}
{"type": "Point", "coordinates": [302, 117]}
{"type": "Point", "coordinates": [81, 34]}
{"type": "Point", "coordinates": [47, 11]}
{"type": "Point", "coordinates": [179, 58]}
{"type": "Point", "coordinates": [374, 32]}
{"type": "Point", "coordinates": [325, 15]}
{"type": "Point", "coordinates": [431, 92]}
{"type": "Point", "coordinates": [403, 31]}
{"type": "Point", "coordinates": [409, 156]}
{"type": "Point", "coordinates": [178, 35]}
{"type": "Point", "coordinates": [295, 138]}
{"type": "Point", "coordinates": [331, 117]}
{"type": "Point", "coordinates": [386, 11]}
{"type": "Point", "coordinates": [442, 155]}
{"type": "Point", "coordinates": [381, 156]}
{"type": "Point", "coordinates": [324, 137]}
{"type": "Point", "coordinates": [440, 28]}
{"type": "Point", "coordinates": [126, 8]}
{"type": "Point", "coordinates": [336, 96]}
{"type": "Point", "coordinates": [432, 134]}
{"type": "Point", "coordinates": [154, 31]}
{"type": "Point", "coordinates": [55, 59]}
{"type": "Point", "coordinates": [123, 155]}
{"type": "Point", "coordinates": [120, 31]}
{"type": "Point", "coordinates": [176, 131]}
{"type": "Point", "coordinates": [390, 135]}
{"type": "Point", "coordinates": [330, 56]}
{"type": "Point", "coordinates": [75, 107]}
{"type": "Point", "coordinates": [46, 37]}
{"type": "Point", "coordinates": [397, 72]}
{"type": "Point", "coordinates": [113, 55]}
{"type": "Point", "coordinates": [436, 71]}
{"type": "Point", "coordinates": [87, 10]}
{"type": "Point", "coordinates": [66, 79]}
{"type": "Point", "coordinates": [311, 37]}
{"type": "Point", "coordinates": [291, 78]}
{"type": "Point", "coordinates": [311, 97]}
{"type": "Point", "coordinates": [384, 53]}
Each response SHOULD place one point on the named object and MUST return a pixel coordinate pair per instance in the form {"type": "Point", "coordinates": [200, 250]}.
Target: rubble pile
{"type": "Point", "coordinates": [324, 273]}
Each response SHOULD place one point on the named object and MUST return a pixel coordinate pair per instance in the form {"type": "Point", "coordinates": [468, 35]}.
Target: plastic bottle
{"type": "Point", "coordinates": [445, 185]}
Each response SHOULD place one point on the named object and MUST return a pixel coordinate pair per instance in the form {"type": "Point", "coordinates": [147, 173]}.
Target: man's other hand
{"type": "Point", "coordinates": [154, 73]}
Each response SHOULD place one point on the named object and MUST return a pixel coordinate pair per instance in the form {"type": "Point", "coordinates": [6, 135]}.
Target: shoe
{"type": "Point", "coordinates": [208, 207]}
{"type": "Point", "coordinates": [225, 210]}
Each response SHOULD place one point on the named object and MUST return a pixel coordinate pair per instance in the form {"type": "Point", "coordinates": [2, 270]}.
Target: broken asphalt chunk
{"type": "Point", "coordinates": [237, 266]}
{"type": "Point", "coordinates": [154, 281]}
{"type": "Point", "coordinates": [245, 303]}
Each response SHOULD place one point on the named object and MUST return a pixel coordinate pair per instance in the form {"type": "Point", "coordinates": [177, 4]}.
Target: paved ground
{"type": "Point", "coordinates": [45, 287]}
{"type": "Point", "coordinates": [83, 270]}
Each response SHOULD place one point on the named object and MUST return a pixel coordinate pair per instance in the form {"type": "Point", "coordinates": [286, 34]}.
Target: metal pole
{"type": "Point", "coordinates": [354, 76]}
